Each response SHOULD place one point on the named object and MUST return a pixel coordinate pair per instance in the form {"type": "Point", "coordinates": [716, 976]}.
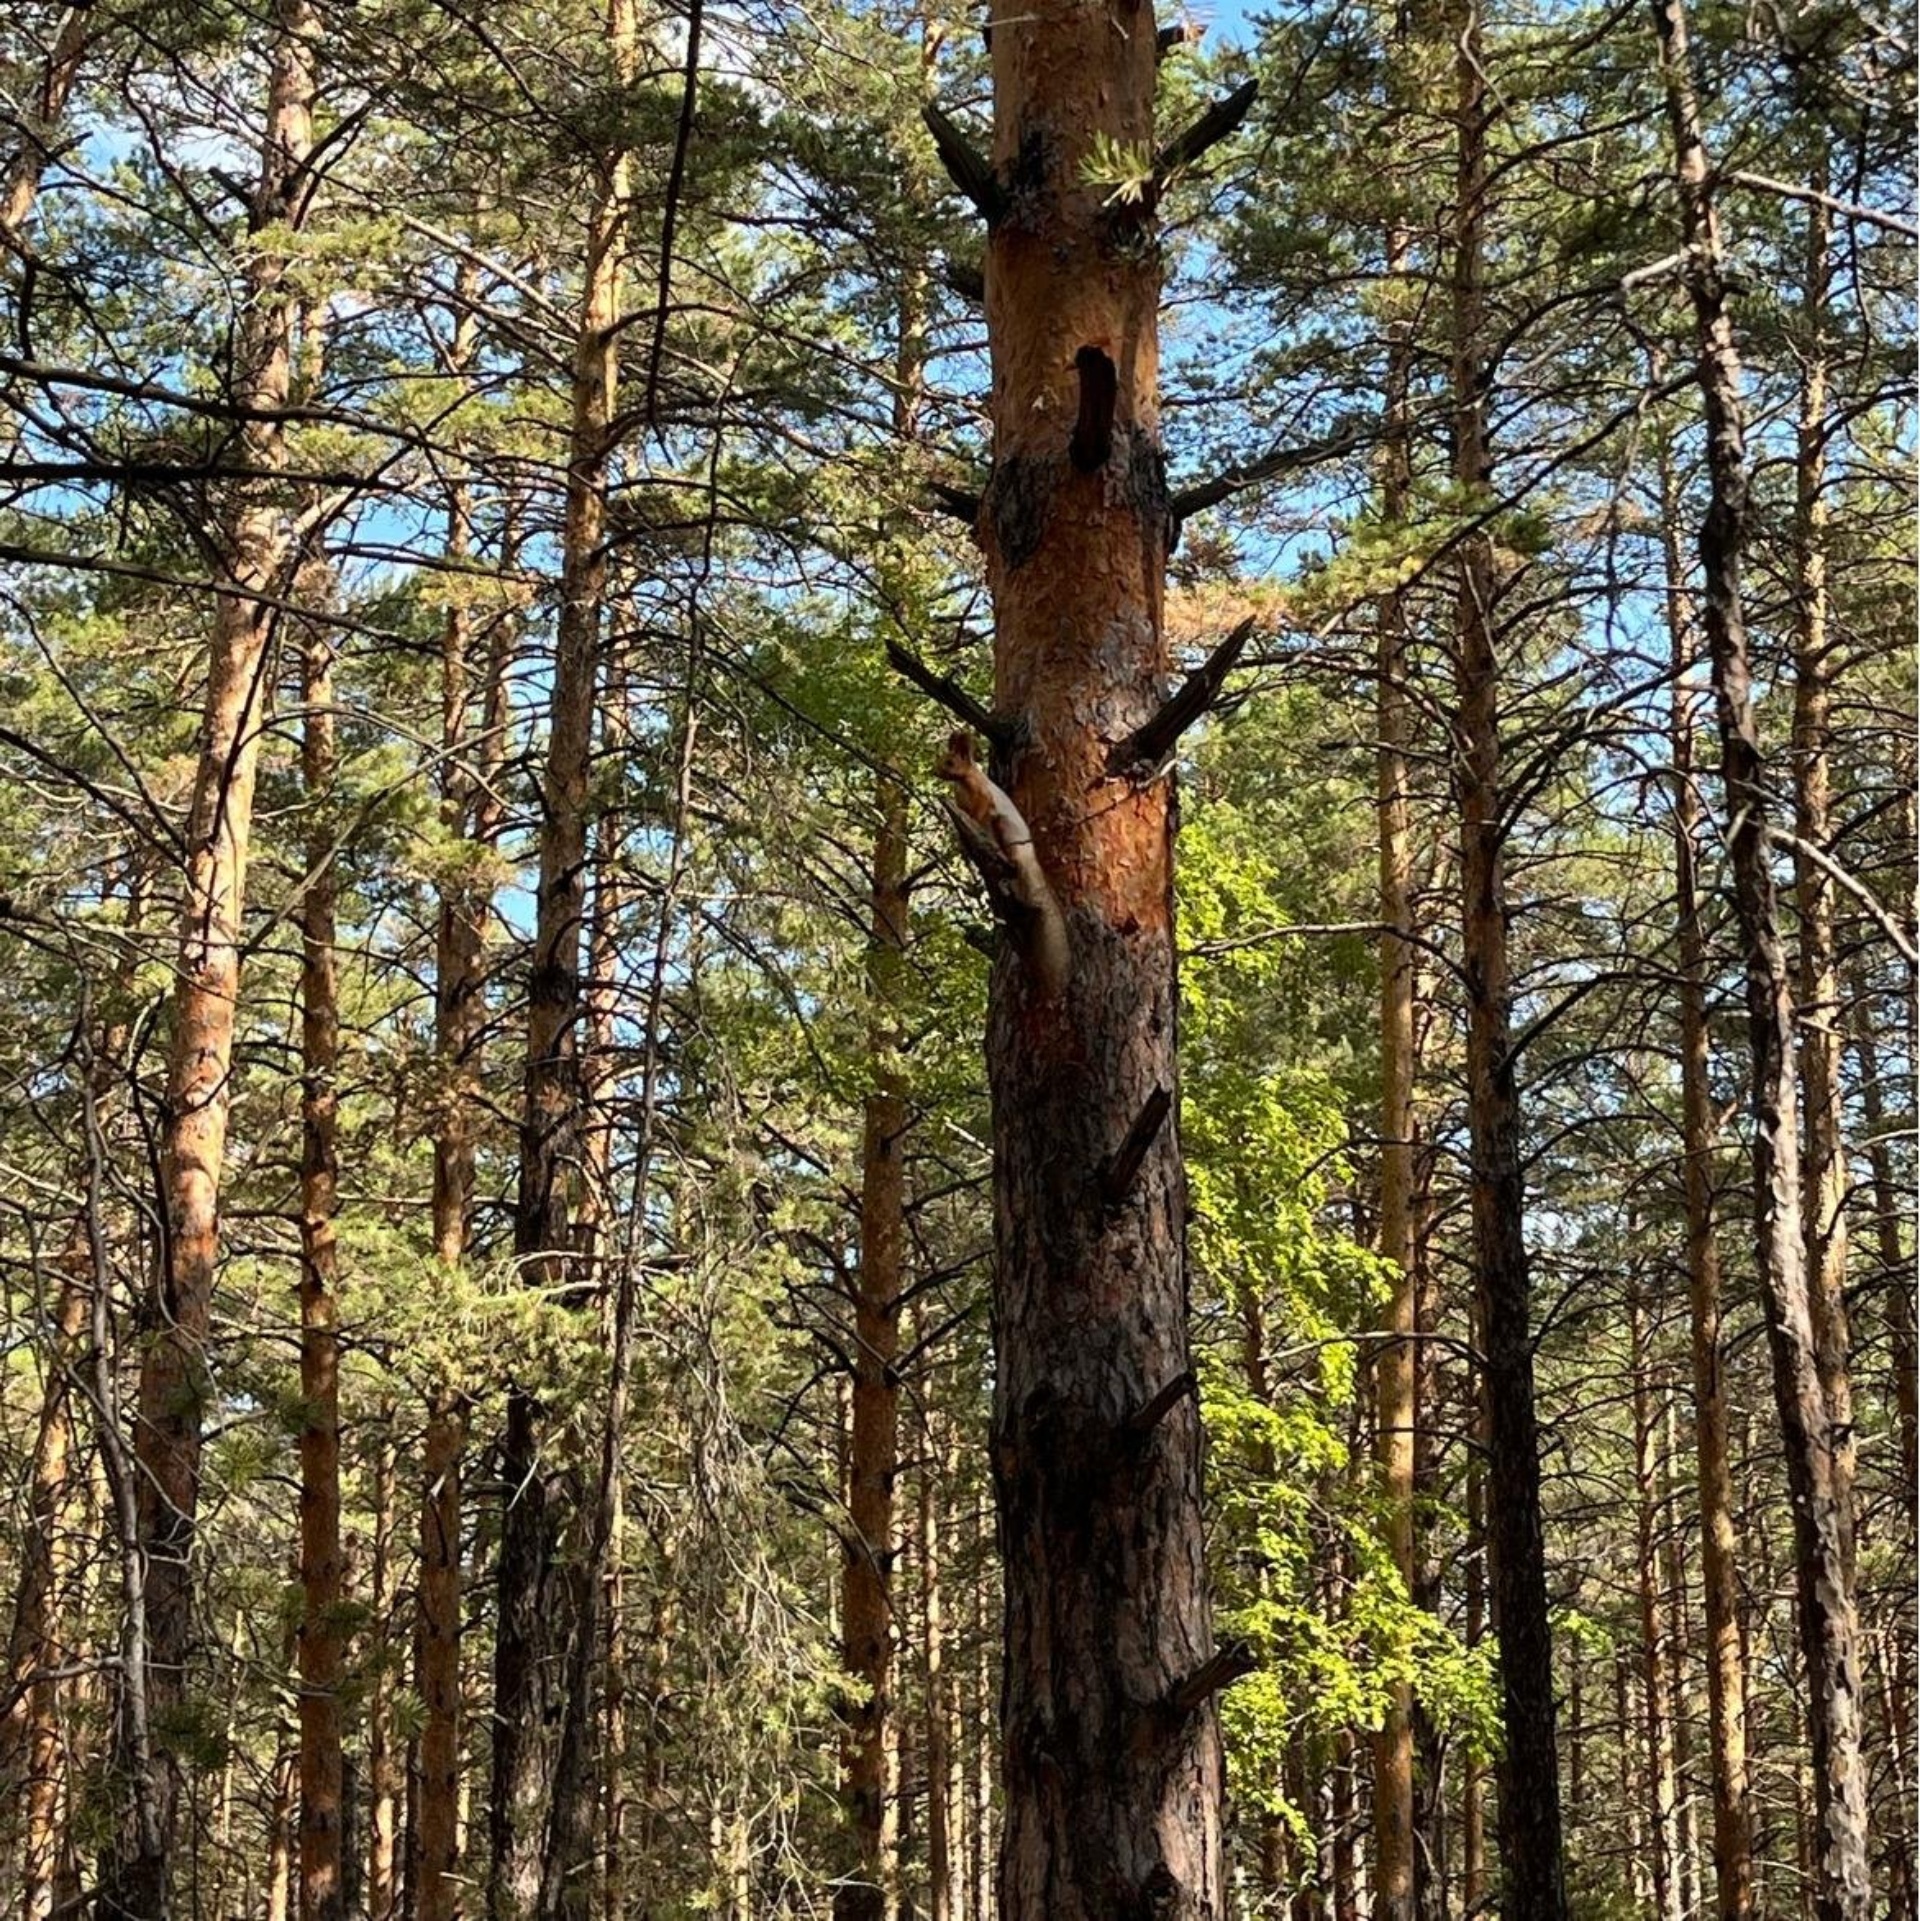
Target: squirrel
{"type": "Point", "coordinates": [997, 839]}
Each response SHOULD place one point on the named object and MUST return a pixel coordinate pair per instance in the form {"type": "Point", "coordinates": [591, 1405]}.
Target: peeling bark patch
{"type": "Point", "coordinates": [1018, 497]}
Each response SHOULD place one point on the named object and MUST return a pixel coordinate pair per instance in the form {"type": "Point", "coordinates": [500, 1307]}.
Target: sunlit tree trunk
{"type": "Point", "coordinates": [1821, 1015]}
{"type": "Point", "coordinates": [1816, 1450]}
{"type": "Point", "coordinates": [174, 1384]}
{"type": "Point", "coordinates": [1112, 1761]}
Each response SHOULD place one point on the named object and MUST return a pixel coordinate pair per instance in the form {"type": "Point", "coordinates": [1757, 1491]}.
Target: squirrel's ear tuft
{"type": "Point", "coordinates": [960, 744]}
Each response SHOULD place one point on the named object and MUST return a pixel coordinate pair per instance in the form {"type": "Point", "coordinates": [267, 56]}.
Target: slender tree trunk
{"type": "Point", "coordinates": [1395, 1365]}
{"type": "Point", "coordinates": [1431, 1862]}
{"type": "Point", "coordinates": [1816, 1451]}
{"type": "Point", "coordinates": [1473, 1774]}
{"type": "Point", "coordinates": [384, 1780]}
{"type": "Point", "coordinates": [1719, 1549]}
{"type": "Point", "coordinates": [1824, 1177]}
{"type": "Point", "coordinates": [1532, 1867]}
{"type": "Point", "coordinates": [32, 1762]}
{"type": "Point", "coordinates": [934, 1475]}
{"type": "Point", "coordinates": [1680, 1661]}
{"type": "Point", "coordinates": [1112, 1762]}
{"type": "Point", "coordinates": [1888, 1212]}
{"type": "Point", "coordinates": [322, 1585]}
{"type": "Point", "coordinates": [565, 1891]}
{"type": "Point", "coordinates": [280, 1815]}
{"type": "Point", "coordinates": [1655, 1695]}
{"type": "Point", "coordinates": [174, 1384]}
{"type": "Point", "coordinates": [1632, 1799]}
{"type": "Point", "coordinates": [867, 1546]}
{"type": "Point", "coordinates": [470, 806]}
{"type": "Point", "coordinates": [534, 1626]}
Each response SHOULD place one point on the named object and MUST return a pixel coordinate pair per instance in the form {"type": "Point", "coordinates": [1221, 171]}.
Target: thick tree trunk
{"type": "Point", "coordinates": [1532, 1867]}
{"type": "Point", "coordinates": [1112, 1761]}
{"type": "Point", "coordinates": [1655, 1694]}
{"type": "Point", "coordinates": [174, 1382]}
{"type": "Point", "coordinates": [535, 1615]}
{"type": "Point", "coordinates": [322, 1584]}
{"type": "Point", "coordinates": [1720, 1585]}
{"type": "Point", "coordinates": [1816, 1450]}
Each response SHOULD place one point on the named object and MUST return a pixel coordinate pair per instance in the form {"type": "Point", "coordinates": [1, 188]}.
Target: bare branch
{"type": "Point", "coordinates": [1213, 126]}
{"type": "Point", "coordinates": [945, 690]}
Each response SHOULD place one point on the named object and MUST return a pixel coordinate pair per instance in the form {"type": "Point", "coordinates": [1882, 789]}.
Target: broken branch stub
{"type": "Point", "coordinates": [1150, 744]}
{"type": "Point", "coordinates": [964, 165]}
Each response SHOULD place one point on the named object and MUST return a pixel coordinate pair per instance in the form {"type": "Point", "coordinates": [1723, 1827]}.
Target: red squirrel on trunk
{"type": "Point", "coordinates": [999, 842]}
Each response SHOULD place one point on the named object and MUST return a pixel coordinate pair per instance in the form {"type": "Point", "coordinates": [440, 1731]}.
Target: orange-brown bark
{"type": "Point", "coordinates": [174, 1380]}
{"type": "Point", "coordinates": [1112, 1775]}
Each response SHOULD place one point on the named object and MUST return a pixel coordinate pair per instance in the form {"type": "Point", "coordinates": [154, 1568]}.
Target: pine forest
{"type": "Point", "coordinates": [958, 965]}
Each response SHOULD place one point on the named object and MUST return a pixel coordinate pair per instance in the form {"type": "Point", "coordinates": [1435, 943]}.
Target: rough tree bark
{"type": "Point", "coordinates": [322, 1583]}
{"type": "Point", "coordinates": [534, 1604]}
{"type": "Point", "coordinates": [1719, 1548]}
{"type": "Point", "coordinates": [1533, 1875]}
{"type": "Point", "coordinates": [1816, 1449]}
{"type": "Point", "coordinates": [254, 546]}
{"type": "Point", "coordinates": [1112, 1759]}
